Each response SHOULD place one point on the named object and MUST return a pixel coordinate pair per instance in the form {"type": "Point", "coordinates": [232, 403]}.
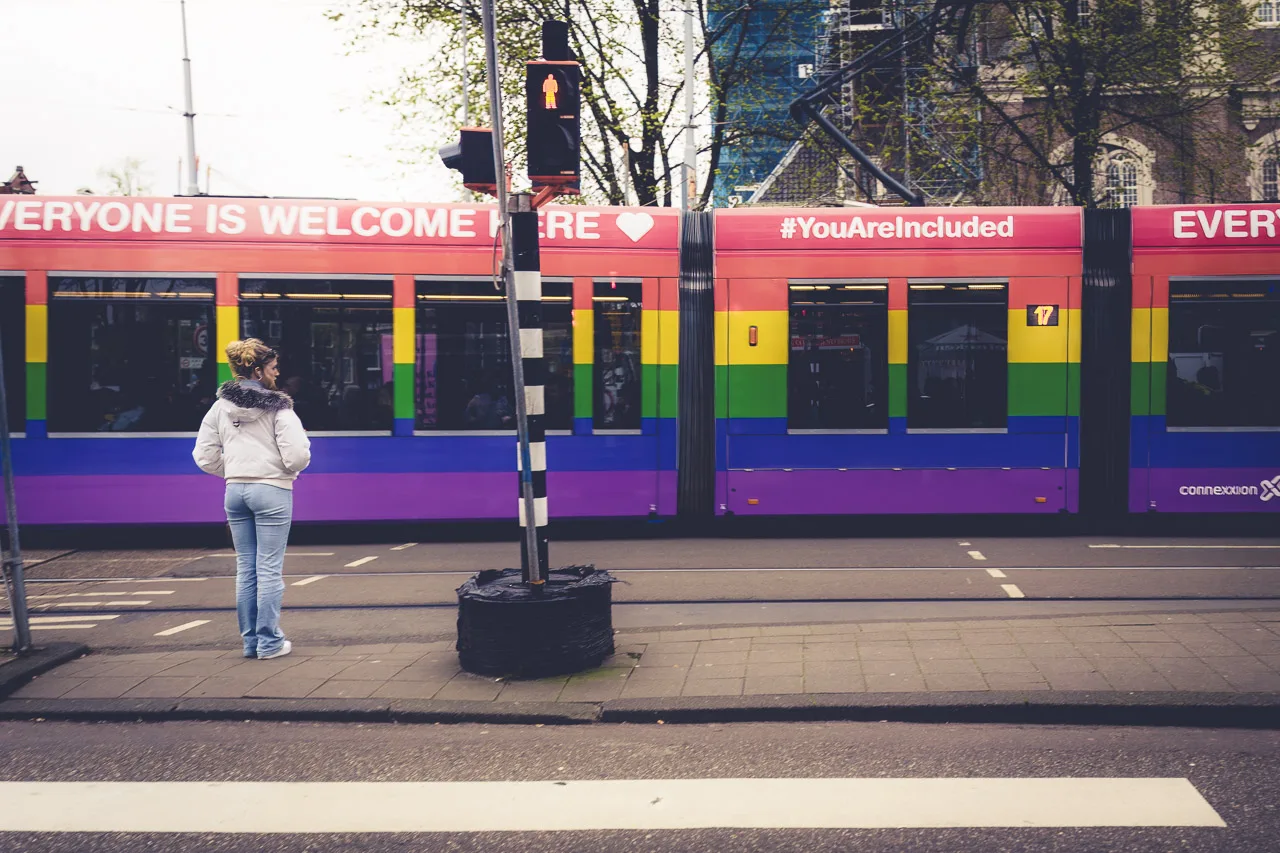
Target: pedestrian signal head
{"type": "Point", "coordinates": [472, 155]}
{"type": "Point", "coordinates": [553, 97]}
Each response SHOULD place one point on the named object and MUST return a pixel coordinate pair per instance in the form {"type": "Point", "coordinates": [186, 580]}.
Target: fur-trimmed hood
{"type": "Point", "coordinates": [248, 402]}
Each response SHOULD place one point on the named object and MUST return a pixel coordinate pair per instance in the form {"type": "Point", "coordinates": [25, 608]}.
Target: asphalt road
{"type": "Point", "coordinates": [1230, 776]}
{"type": "Point", "coordinates": [403, 592]}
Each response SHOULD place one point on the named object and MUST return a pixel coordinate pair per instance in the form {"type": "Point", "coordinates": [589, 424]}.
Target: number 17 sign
{"type": "Point", "coordinates": [1042, 315]}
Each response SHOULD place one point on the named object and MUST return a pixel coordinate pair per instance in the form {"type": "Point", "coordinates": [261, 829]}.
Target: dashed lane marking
{"type": "Point", "coordinates": [405, 547]}
{"type": "Point", "coordinates": [622, 804]}
{"type": "Point", "coordinates": [184, 627]}
{"type": "Point", "coordinates": [996, 573]}
{"type": "Point", "coordinates": [977, 555]}
{"type": "Point", "coordinates": [308, 580]}
{"type": "Point", "coordinates": [360, 562]}
{"type": "Point", "coordinates": [153, 580]}
{"type": "Point", "coordinates": [963, 544]}
{"type": "Point", "coordinates": [1012, 590]}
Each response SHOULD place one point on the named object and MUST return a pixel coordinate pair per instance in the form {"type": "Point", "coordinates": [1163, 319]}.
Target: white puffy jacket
{"type": "Point", "coordinates": [252, 435]}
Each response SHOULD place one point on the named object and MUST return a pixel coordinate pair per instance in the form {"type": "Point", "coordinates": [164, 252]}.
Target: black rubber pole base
{"type": "Point", "coordinates": [508, 627]}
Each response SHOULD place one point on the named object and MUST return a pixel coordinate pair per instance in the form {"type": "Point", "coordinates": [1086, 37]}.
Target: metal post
{"type": "Point", "coordinates": [193, 177]}
{"type": "Point", "coordinates": [530, 567]}
{"type": "Point", "coordinates": [688, 172]}
{"type": "Point", "coordinates": [14, 583]}
{"type": "Point", "coordinates": [527, 277]}
{"type": "Point", "coordinates": [466, 80]}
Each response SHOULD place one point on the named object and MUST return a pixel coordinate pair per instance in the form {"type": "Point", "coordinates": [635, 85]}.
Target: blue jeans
{"type": "Point", "coordinates": [260, 516]}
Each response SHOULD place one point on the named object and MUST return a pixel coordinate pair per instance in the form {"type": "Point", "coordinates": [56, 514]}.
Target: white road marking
{"type": "Point", "coordinates": [133, 603]}
{"type": "Point", "coordinates": [80, 626]}
{"type": "Point", "coordinates": [1012, 590]}
{"type": "Point", "coordinates": [184, 627]}
{"type": "Point", "coordinates": [97, 617]}
{"type": "Point", "coordinates": [963, 544]}
{"type": "Point", "coordinates": [977, 555]}
{"type": "Point", "coordinates": [308, 580]}
{"type": "Point", "coordinates": [1193, 547]}
{"type": "Point", "coordinates": [405, 547]}
{"type": "Point", "coordinates": [996, 573]}
{"type": "Point", "coordinates": [78, 604]}
{"type": "Point", "coordinates": [649, 804]}
{"type": "Point", "coordinates": [154, 580]}
{"type": "Point", "coordinates": [360, 562]}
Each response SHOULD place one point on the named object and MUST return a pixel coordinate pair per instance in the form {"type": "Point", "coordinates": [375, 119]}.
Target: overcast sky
{"type": "Point", "coordinates": [281, 109]}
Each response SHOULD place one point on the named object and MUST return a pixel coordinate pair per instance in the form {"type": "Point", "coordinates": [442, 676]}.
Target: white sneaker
{"type": "Point", "coordinates": [278, 653]}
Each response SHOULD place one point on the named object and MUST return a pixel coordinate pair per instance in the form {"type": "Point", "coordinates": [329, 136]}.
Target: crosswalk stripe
{"type": "Point", "coordinates": [186, 626]}
{"type": "Point", "coordinates": [330, 807]}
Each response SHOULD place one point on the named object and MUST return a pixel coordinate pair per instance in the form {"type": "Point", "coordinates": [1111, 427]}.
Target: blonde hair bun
{"type": "Point", "coordinates": [247, 355]}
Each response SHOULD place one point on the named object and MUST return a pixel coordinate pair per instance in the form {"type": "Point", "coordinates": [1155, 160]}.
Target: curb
{"type": "Point", "coordinates": [1200, 710]}
{"type": "Point", "coordinates": [1217, 710]}
{"type": "Point", "coordinates": [19, 671]}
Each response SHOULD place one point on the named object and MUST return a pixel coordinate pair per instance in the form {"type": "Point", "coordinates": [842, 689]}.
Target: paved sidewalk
{"type": "Point", "coordinates": [1209, 653]}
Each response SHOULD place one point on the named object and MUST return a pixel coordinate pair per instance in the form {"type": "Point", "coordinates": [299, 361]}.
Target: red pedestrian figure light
{"type": "Point", "coordinates": [550, 88]}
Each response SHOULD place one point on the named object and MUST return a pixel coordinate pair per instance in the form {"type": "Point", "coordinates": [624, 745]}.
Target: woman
{"type": "Point", "coordinates": [252, 439]}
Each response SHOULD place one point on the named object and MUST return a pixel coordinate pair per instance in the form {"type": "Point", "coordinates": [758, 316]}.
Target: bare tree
{"type": "Point", "coordinates": [125, 178]}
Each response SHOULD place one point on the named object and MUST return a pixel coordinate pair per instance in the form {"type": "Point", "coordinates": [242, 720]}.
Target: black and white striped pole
{"type": "Point", "coordinates": [524, 312]}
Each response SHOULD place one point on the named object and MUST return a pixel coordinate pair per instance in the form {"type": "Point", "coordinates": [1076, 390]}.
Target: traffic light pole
{"type": "Point", "coordinates": [11, 568]}
{"type": "Point", "coordinates": [533, 512]}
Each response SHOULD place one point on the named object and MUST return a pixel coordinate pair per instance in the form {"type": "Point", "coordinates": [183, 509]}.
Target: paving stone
{"type": "Point", "coordinates": [207, 667]}
{"type": "Point", "coordinates": [1032, 636]}
{"type": "Point", "coordinates": [885, 651]}
{"type": "Point", "coordinates": [939, 649]}
{"type": "Point", "coordinates": [47, 687]}
{"type": "Point", "coordinates": [543, 690]}
{"type": "Point", "coordinates": [948, 666]}
{"type": "Point", "coordinates": [369, 649]}
{"type": "Point", "coordinates": [772, 684]}
{"type": "Point", "coordinates": [591, 689]}
{"type": "Point", "coordinates": [838, 628]}
{"type": "Point", "coordinates": [713, 687]}
{"type": "Point", "coordinates": [880, 627]}
{"type": "Point", "coordinates": [1078, 681]}
{"type": "Point", "coordinates": [1244, 682]}
{"type": "Point", "coordinates": [651, 689]}
{"type": "Point", "coordinates": [1272, 661]}
{"type": "Point", "coordinates": [284, 687]}
{"type": "Point", "coordinates": [687, 647]}
{"type": "Point", "coordinates": [1243, 665]}
{"type": "Point", "coordinates": [465, 686]}
{"type": "Point", "coordinates": [144, 669]}
{"type": "Point", "coordinates": [1209, 682]}
{"type": "Point", "coordinates": [1137, 681]}
{"type": "Point", "coordinates": [250, 667]}
{"type": "Point", "coordinates": [88, 667]}
{"type": "Point", "coordinates": [1106, 650]}
{"type": "Point", "coordinates": [224, 688]}
{"type": "Point", "coordinates": [784, 630]}
{"type": "Point", "coordinates": [766, 670]}
{"type": "Point", "coordinates": [1080, 636]}
{"type": "Point", "coordinates": [890, 667]}
{"type": "Point", "coordinates": [318, 668]}
{"type": "Point", "coordinates": [1061, 666]}
{"type": "Point", "coordinates": [1161, 650]}
{"type": "Point", "coordinates": [741, 644]}
{"type": "Point", "coordinates": [408, 690]}
{"type": "Point", "coordinates": [734, 633]}
{"type": "Point", "coordinates": [673, 673]}
{"type": "Point", "coordinates": [138, 657]}
{"type": "Point", "coordinates": [987, 665]}
{"type": "Point", "coordinates": [831, 652]}
{"type": "Point", "coordinates": [336, 689]}
{"type": "Point", "coordinates": [955, 681]}
{"type": "Point", "coordinates": [687, 634]}
{"type": "Point", "coordinates": [794, 654]}
{"type": "Point", "coordinates": [719, 658]}
{"type": "Point", "coordinates": [834, 684]}
{"type": "Point", "coordinates": [639, 639]}
{"type": "Point", "coordinates": [720, 670]}
{"type": "Point", "coordinates": [913, 683]}
{"type": "Point", "coordinates": [779, 642]}
{"type": "Point", "coordinates": [421, 648]}
{"type": "Point", "coordinates": [428, 672]}
{"type": "Point", "coordinates": [1042, 651]}
{"type": "Point", "coordinates": [990, 652]}
{"type": "Point", "coordinates": [196, 654]}
{"type": "Point", "coordinates": [925, 635]}
{"type": "Point", "coordinates": [986, 638]}
{"type": "Point", "coordinates": [818, 640]}
{"type": "Point", "coordinates": [1216, 649]}
{"type": "Point", "coordinates": [877, 636]}
{"type": "Point", "coordinates": [1133, 664]}
{"type": "Point", "coordinates": [619, 662]}
{"type": "Point", "coordinates": [104, 687]}
{"type": "Point", "coordinates": [363, 671]}
{"type": "Point", "coordinates": [1015, 681]}
{"type": "Point", "coordinates": [832, 669]}
{"type": "Point", "coordinates": [1182, 665]}
{"type": "Point", "coordinates": [163, 686]}
{"type": "Point", "coordinates": [1142, 634]}
{"type": "Point", "coordinates": [649, 661]}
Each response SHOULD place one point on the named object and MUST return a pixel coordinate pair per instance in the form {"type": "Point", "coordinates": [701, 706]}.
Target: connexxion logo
{"type": "Point", "coordinates": [1266, 490]}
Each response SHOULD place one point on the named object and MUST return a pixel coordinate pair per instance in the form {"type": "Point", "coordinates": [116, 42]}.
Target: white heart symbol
{"type": "Point", "coordinates": [635, 225]}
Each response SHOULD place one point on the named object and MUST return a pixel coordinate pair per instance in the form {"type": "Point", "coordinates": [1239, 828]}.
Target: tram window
{"type": "Point", "coordinates": [334, 339]}
{"type": "Point", "coordinates": [838, 373]}
{"type": "Point", "coordinates": [957, 356]}
{"type": "Point", "coordinates": [130, 354]}
{"type": "Point", "coordinates": [1224, 353]}
{"type": "Point", "coordinates": [13, 328]}
{"type": "Point", "coordinates": [462, 370]}
{"type": "Point", "coordinates": [617, 309]}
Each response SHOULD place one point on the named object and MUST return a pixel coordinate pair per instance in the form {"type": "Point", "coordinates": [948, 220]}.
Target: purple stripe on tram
{"type": "Point", "coordinates": [195, 499]}
{"type": "Point", "coordinates": [1233, 490]}
{"type": "Point", "coordinates": [906, 492]}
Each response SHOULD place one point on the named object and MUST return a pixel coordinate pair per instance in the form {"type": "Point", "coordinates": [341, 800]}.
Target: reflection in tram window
{"type": "Point", "coordinates": [957, 359]}
{"type": "Point", "coordinates": [13, 330]}
{"type": "Point", "coordinates": [617, 309]}
{"type": "Point", "coordinates": [130, 354]}
{"type": "Point", "coordinates": [463, 362]}
{"type": "Point", "coordinates": [334, 338]}
{"type": "Point", "coordinates": [838, 370]}
{"type": "Point", "coordinates": [1224, 353]}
